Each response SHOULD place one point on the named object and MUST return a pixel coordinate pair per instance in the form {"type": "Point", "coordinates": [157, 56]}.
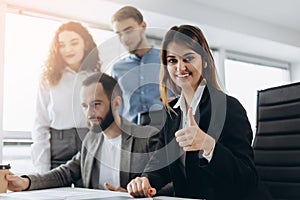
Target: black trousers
{"type": "Point", "coordinates": [64, 144]}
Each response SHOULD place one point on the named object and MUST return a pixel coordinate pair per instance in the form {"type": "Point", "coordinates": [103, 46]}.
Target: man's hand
{"type": "Point", "coordinates": [114, 188]}
{"type": "Point", "coordinates": [140, 187]}
{"type": "Point", "coordinates": [17, 183]}
{"type": "Point", "coordinates": [193, 138]}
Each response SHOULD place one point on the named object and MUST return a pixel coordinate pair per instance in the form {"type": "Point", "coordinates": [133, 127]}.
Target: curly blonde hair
{"type": "Point", "coordinates": [55, 65]}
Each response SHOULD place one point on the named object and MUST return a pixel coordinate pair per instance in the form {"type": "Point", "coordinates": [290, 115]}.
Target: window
{"type": "Point", "coordinates": [26, 48]}
{"type": "Point", "coordinates": [27, 42]}
{"type": "Point", "coordinates": [243, 79]}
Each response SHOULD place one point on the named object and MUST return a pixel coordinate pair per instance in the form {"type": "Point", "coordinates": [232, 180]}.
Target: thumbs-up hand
{"type": "Point", "coordinates": [193, 138]}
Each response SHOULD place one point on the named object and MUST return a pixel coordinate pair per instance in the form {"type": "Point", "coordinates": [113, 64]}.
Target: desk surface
{"type": "Point", "coordinates": [68, 193]}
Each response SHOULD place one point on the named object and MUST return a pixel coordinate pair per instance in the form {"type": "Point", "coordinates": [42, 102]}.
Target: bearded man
{"type": "Point", "coordinates": [114, 151]}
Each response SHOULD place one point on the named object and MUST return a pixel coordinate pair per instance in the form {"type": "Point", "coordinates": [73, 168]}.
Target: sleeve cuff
{"type": "Point", "coordinates": [210, 155]}
{"type": "Point", "coordinates": [25, 176]}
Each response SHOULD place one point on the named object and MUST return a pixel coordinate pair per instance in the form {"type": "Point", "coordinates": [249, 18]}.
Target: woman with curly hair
{"type": "Point", "coordinates": [59, 124]}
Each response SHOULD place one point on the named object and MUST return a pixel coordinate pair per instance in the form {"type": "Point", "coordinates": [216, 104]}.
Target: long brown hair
{"type": "Point", "coordinates": [55, 65]}
{"type": "Point", "coordinates": [193, 38]}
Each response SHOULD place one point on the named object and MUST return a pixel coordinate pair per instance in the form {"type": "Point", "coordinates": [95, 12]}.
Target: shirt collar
{"type": "Point", "coordinates": [195, 101]}
{"type": "Point", "coordinates": [133, 56]}
{"type": "Point", "coordinates": [69, 69]}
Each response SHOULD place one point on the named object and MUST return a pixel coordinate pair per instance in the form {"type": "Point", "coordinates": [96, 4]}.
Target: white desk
{"type": "Point", "coordinates": [68, 193]}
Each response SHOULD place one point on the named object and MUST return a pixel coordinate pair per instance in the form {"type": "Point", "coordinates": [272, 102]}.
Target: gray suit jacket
{"type": "Point", "coordinates": [138, 143]}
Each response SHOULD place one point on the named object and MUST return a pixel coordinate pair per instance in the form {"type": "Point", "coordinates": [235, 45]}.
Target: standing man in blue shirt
{"type": "Point", "coordinates": [137, 73]}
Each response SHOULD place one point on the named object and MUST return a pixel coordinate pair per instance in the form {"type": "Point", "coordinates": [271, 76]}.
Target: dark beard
{"type": "Point", "coordinates": [109, 119]}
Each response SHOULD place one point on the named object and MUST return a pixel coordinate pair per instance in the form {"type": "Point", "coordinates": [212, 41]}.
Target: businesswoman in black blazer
{"type": "Point", "coordinates": [205, 145]}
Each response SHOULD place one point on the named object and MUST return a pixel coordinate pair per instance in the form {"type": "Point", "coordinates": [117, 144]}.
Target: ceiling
{"type": "Point", "coordinates": [281, 13]}
{"type": "Point", "coordinates": [265, 28]}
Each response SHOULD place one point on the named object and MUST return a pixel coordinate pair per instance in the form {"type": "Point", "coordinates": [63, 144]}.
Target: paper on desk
{"type": "Point", "coordinates": [130, 198]}
{"type": "Point", "coordinates": [63, 194]}
{"type": "Point", "coordinates": [112, 198]}
{"type": "Point", "coordinates": [68, 193]}
{"type": "Point", "coordinates": [172, 198]}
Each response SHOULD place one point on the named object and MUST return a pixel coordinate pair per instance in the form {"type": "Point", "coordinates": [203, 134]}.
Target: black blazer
{"type": "Point", "coordinates": [230, 174]}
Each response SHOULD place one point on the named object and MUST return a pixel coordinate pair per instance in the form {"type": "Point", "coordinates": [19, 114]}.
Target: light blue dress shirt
{"type": "Point", "coordinates": [139, 81]}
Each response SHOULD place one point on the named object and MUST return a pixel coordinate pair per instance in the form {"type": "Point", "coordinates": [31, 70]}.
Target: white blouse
{"type": "Point", "coordinates": [57, 107]}
{"type": "Point", "coordinates": [194, 104]}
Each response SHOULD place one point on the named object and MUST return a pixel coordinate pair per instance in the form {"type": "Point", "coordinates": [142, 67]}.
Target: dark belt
{"type": "Point", "coordinates": [60, 133]}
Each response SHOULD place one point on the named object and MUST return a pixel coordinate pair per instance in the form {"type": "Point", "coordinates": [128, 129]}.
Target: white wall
{"type": "Point", "coordinates": [200, 13]}
{"type": "Point", "coordinates": [295, 71]}
{"type": "Point", "coordinates": [2, 32]}
{"type": "Point", "coordinates": [228, 30]}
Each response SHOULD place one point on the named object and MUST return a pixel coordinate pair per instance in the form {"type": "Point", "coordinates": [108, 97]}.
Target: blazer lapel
{"type": "Point", "coordinates": [126, 146]}
{"type": "Point", "coordinates": [215, 103]}
{"type": "Point", "coordinates": [92, 154]}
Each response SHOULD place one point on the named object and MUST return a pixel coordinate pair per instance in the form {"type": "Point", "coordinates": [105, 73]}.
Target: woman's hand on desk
{"type": "Point", "coordinates": [140, 187]}
{"type": "Point", "coordinates": [113, 188]}
{"type": "Point", "coordinates": [17, 183]}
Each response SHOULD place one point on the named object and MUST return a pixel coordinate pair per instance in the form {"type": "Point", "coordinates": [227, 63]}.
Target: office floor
{"type": "Point", "coordinates": [18, 156]}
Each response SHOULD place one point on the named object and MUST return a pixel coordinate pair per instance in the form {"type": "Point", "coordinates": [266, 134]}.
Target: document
{"type": "Point", "coordinates": [69, 193]}
{"type": "Point", "coordinates": [65, 193]}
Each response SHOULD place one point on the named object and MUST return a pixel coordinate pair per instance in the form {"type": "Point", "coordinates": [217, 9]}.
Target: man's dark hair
{"type": "Point", "coordinates": [110, 85]}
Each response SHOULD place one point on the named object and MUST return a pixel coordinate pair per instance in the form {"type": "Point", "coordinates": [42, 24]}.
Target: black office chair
{"type": "Point", "coordinates": [277, 142]}
{"type": "Point", "coordinates": [154, 118]}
